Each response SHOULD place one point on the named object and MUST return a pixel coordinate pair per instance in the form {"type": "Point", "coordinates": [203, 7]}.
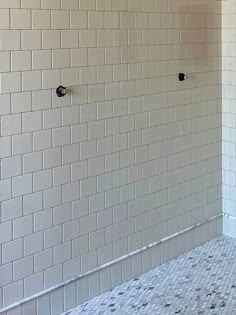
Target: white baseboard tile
{"type": "Point", "coordinates": [229, 225]}
{"type": "Point", "coordinates": [66, 296]}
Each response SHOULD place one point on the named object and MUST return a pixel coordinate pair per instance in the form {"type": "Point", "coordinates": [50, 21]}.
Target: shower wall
{"type": "Point", "coordinates": [229, 121]}
{"type": "Point", "coordinates": [123, 173]}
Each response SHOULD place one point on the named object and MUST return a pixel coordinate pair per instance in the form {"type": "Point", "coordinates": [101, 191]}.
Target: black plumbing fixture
{"type": "Point", "coordinates": [182, 76]}
{"type": "Point", "coordinates": [61, 91]}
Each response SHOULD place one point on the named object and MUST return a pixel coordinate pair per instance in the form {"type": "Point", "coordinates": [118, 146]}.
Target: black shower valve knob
{"type": "Point", "coordinates": [182, 76]}
{"type": "Point", "coordinates": [61, 91]}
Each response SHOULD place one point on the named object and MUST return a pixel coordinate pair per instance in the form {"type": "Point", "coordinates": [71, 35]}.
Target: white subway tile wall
{"type": "Point", "coordinates": [130, 156]}
{"type": "Point", "coordinates": [229, 122]}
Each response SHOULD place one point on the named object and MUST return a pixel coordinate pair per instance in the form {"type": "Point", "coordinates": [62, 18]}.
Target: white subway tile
{"type": "Point", "coordinates": [5, 19]}
{"type": "Point", "coordinates": [79, 170]}
{"type": "Point", "coordinates": [13, 291]}
{"type": "Point", "coordinates": [6, 236]}
{"type": "Point", "coordinates": [70, 4]}
{"type": "Point", "coordinates": [52, 118]}
{"type": "Point", "coordinates": [43, 260]}
{"type": "Point", "coordinates": [41, 59]}
{"type": "Point", "coordinates": [6, 274]}
{"type": "Point", "coordinates": [11, 167]}
{"type": "Point", "coordinates": [70, 76]}
{"type": "Point", "coordinates": [22, 185]}
{"type": "Point", "coordinates": [31, 80]}
{"type": "Point", "coordinates": [43, 220]}
{"type": "Point", "coordinates": [87, 5]}
{"type": "Point", "coordinates": [22, 143]}
{"type": "Point", "coordinates": [42, 180]}
{"type": "Point", "coordinates": [33, 243]}
{"type": "Point", "coordinates": [71, 268]}
{"type": "Point", "coordinates": [88, 149]}
{"type": "Point", "coordinates": [5, 107]}
{"type": "Point", "coordinates": [20, 19]}
{"type": "Point", "coordinates": [10, 40]}
{"type": "Point", "coordinates": [33, 284]}
{"type": "Point", "coordinates": [12, 251]}
{"type": "Point", "coordinates": [5, 189]}
{"type": "Point", "coordinates": [12, 209]}
{"type": "Point", "coordinates": [31, 39]}
{"type": "Point", "coordinates": [88, 187]}
{"type": "Point", "coordinates": [53, 4]}
{"type": "Point", "coordinates": [50, 79]}
{"type": "Point", "coordinates": [32, 203]}
{"type": "Point", "coordinates": [52, 276]}
{"type": "Point", "coordinates": [53, 236]}
{"type": "Point", "coordinates": [30, 4]}
{"type": "Point", "coordinates": [69, 39]}
{"type": "Point", "coordinates": [11, 124]}
{"type": "Point", "coordinates": [79, 133]}
{"type": "Point", "coordinates": [52, 158]}
{"type": "Point", "coordinates": [42, 140]}
{"type": "Point", "coordinates": [60, 136]}
{"type": "Point", "coordinates": [71, 193]}
{"type": "Point", "coordinates": [51, 39]}
{"type": "Point", "coordinates": [41, 19]}
{"type": "Point", "coordinates": [78, 20]}
{"type": "Point", "coordinates": [20, 102]}
{"type": "Point", "coordinates": [22, 226]}
{"type": "Point", "coordinates": [10, 82]}
{"type": "Point", "coordinates": [41, 100]}
{"type": "Point", "coordinates": [62, 253]}
{"type": "Point", "coordinates": [32, 121]}
{"type": "Point", "coordinates": [5, 61]}
{"type": "Point", "coordinates": [32, 162]}
{"type": "Point", "coordinates": [61, 175]}
{"type": "Point", "coordinates": [70, 153]}
{"type": "Point", "coordinates": [61, 58]}
{"type": "Point", "coordinates": [87, 38]}
{"type": "Point", "coordinates": [52, 197]}
{"type": "Point", "coordinates": [60, 19]}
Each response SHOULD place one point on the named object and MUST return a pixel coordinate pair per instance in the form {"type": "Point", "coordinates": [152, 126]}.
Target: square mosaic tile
{"type": "Point", "coordinates": [200, 282]}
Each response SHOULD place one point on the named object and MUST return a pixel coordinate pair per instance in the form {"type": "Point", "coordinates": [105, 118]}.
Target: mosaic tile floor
{"type": "Point", "coordinates": [201, 282]}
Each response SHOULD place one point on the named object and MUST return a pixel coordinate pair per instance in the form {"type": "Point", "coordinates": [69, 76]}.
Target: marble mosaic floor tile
{"type": "Point", "coordinates": [200, 282]}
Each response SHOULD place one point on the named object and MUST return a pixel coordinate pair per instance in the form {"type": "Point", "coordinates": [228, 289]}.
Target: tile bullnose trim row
{"type": "Point", "coordinates": [212, 226]}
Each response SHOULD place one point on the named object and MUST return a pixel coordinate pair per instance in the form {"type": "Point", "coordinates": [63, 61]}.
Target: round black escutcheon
{"type": "Point", "coordinates": [61, 91]}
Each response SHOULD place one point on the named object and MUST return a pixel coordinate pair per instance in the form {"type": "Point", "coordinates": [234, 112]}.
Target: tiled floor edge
{"type": "Point", "coordinates": [67, 295]}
